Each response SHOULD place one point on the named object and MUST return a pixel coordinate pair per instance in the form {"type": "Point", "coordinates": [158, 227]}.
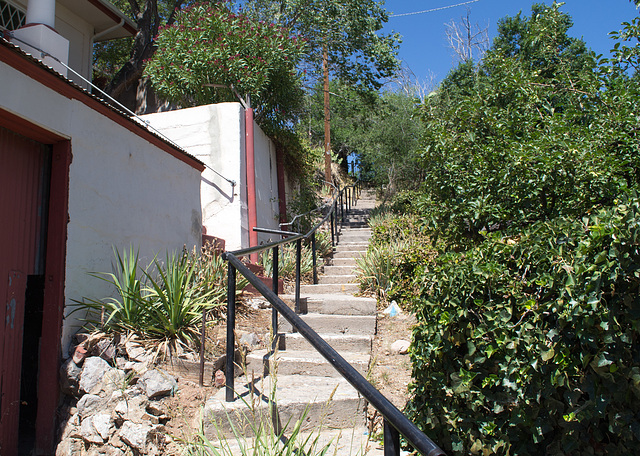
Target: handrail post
{"type": "Point", "coordinates": [333, 242]}
{"type": "Point", "coordinates": [202, 342]}
{"type": "Point", "coordinates": [231, 326]}
{"type": "Point", "coordinates": [275, 276]}
{"type": "Point", "coordinates": [391, 440]}
{"type": "Point", "coordinates": [314, 259]}
{"type": "Point", "coordinates": [298, 259]}
{"type": "Point", "coordinates": [335, 219]}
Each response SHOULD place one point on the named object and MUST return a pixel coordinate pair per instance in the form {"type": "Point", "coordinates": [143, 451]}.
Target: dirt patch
{"type": "Point", "coordinates": [390, 371]}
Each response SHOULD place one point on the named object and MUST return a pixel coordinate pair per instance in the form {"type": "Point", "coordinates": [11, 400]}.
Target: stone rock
{"type": "Point", "coordinates": [70, 378]}
{"type": "Point", "coordinates": [92, 373]}
{"type": "Point", "coordinates": [79, 354]}
{"type": "Point", "coordinates": [89, 404]}
{"type": "Point", "coordinates": [105, 349]}
{"type": "Point", "coordinates": [400, 346]}
{"type": "Point", "coordinates": [89, 432]}
{"type": "Point", "coordinates": [133, 409]}
{"type": "Point", "coordinates": [70, 428]}
{"type": "Point", "coordinates": [136, 352]}
{"type": "Point", "coordinates": [113, 380]}
{"type": "Point", "coordinates": [157, 383]}
{"type": "Point", "coordinates": [111, 451]}
{"type": "Point", "coordinates": [219, 379]}
{"type": "Point", "coordinates": [156, 408]}
{"type": "Point", "coordinates": [70, 447]}
{"type": "Point", "coordinates": [249, 339]}
{"type": "Point", "coordinates": [135, 435]}
{"type": "Point", "coordinates": [103, 425]}
{"type": "Point", "coordinates": [139, 368]}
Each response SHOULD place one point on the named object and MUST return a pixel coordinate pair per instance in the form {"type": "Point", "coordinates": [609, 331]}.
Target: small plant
{"type": "Point", "coordinates": [163, 302]}
{"type": "Point", "coordinates": [287, 261]}
{"type": "Point", "coordinates": [127, 311]}
{"type": "Point", "coordinates": [375, 268]}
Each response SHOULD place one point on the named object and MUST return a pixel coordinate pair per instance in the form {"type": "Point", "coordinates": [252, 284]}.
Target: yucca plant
{"type": "Point", "coordinates": [175, 304]}
{"type": "Point", "coordinates": [125, 312]}
{"type": "Point", "coordinates": [374, 269]}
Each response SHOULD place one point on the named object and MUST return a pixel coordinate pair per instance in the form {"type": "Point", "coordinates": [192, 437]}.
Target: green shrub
{"type": "Point", "coordinates": [530, 345]}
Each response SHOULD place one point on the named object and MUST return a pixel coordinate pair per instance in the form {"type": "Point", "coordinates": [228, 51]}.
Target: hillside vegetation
{"type": "Point", "coordinates": [520, 249]}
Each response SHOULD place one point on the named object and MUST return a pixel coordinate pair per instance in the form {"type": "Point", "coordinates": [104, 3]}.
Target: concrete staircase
{"type": "Point", "coordinates": [306, 386]}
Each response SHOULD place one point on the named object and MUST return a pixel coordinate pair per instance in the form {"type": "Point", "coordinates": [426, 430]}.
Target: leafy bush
{"type": "Point", "coordinates": [530, 344]}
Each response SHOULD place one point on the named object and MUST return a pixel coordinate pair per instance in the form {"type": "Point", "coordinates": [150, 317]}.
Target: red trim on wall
{"type": "Point", "coordinates": [50, 347]}
{"type": "Point", "coordinates": [25, 128]}
{"type": "Point", "coordinates": [43, 75]}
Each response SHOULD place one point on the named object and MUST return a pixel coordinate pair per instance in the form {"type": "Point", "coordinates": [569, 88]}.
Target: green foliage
{"type": "Point", "coordinates": [165, 305]}
{"type": "Point", "coordinates": [126, 311]}
{"type": "Point", "coordinates": [381, 129]}
{"type": "Point", "coordinates": [528, 135]}
{"type": "Point", "coordinates": [213, 45]}
{"type": "Point", "coordinates": [531, 343]}
{"type": "Point", "coordinates": [358, 52]}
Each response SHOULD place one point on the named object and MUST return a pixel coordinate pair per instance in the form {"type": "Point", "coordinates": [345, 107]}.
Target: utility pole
{"type": "Point", "coordinates": [327, 124]}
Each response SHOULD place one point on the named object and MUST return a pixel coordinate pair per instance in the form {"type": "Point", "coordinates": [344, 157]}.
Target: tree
{"type": "Point", "coordinates": [210, 51]}
{"type": "Point", "coordinates": [123, 61]}
{"type": "Point", "coordinates": [466, 39]}
{"type": "Point", "coordinates": [344, 43]}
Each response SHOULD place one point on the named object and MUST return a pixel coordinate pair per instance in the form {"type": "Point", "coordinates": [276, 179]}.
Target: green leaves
{"type": "Point", "coordinates": [209, 44]}
{"type": "Point", "coordinates": [520, 363]}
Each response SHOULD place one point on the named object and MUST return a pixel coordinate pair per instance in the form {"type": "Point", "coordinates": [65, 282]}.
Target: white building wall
{"type": "Point", "coordinates": [215, 135]}
{"type": "Point", "coordinates": [123, 190]}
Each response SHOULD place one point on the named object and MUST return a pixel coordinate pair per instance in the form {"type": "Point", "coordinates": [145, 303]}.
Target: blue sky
{"type": "Point", "coordinates": [424, 48]}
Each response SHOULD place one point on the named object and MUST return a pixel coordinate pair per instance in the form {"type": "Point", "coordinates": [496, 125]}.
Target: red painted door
{"type": "Point", "coordinates": [23, 178]}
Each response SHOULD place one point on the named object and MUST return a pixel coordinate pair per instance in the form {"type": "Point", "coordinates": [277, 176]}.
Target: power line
{"type": "Point", "coordinates": [434, 9]}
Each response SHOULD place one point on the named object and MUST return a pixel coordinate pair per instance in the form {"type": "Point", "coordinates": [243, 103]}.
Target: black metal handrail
{"type": "Point", "coordinates": [395, 423]}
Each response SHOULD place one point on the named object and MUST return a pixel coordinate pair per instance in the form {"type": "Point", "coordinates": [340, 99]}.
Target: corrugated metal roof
{"type": "Point", "coordinates": [83, 93]}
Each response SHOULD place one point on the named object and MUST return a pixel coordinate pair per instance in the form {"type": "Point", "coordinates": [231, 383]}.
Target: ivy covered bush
{"type": "Point", "coordinates": [530, 345]}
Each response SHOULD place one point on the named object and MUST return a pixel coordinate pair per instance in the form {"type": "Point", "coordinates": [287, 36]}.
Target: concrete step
{"type": "Point", "coordinates": [337, 278]}
{"type": "Point", "coordinates": [341, 343]}
{"type": "Point", "coordinates": [351, 262]}
{"type": "Point", "coordinates": [330, 402]}
{"type": "Point", "coordinates": [336, 324]}
{"type": "Point", "coordinates": [331, 288]}
{"type": "Point", "coordinates": [343, 253]}
{"type": "Point", "coordinates": [335, 442]}
{"type": "Point", "coordinates": [351, 249]}
{"type": "Point", "coordinates": [338, 270]}
{"type": "Point", "coordinates": [332, 304]}
{"type": "Point", "coordinates": [299, 362]}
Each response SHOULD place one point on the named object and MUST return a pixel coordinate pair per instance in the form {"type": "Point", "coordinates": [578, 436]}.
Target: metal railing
{"type": "Point", "coordinates": [395, 423]}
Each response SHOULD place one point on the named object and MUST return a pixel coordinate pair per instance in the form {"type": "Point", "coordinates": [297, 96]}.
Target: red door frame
{"type": "Point", "coordinates": [50, 347]}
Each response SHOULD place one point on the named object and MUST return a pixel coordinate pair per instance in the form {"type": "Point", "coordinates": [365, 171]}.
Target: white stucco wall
{"type": "Point", "coordinates": [123, 190]}
{"type": "Point", "coordinates": [215, 135]}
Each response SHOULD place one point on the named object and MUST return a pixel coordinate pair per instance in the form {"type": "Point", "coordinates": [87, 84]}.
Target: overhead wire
{"type": "Point", "coordinates": [434, 9]}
